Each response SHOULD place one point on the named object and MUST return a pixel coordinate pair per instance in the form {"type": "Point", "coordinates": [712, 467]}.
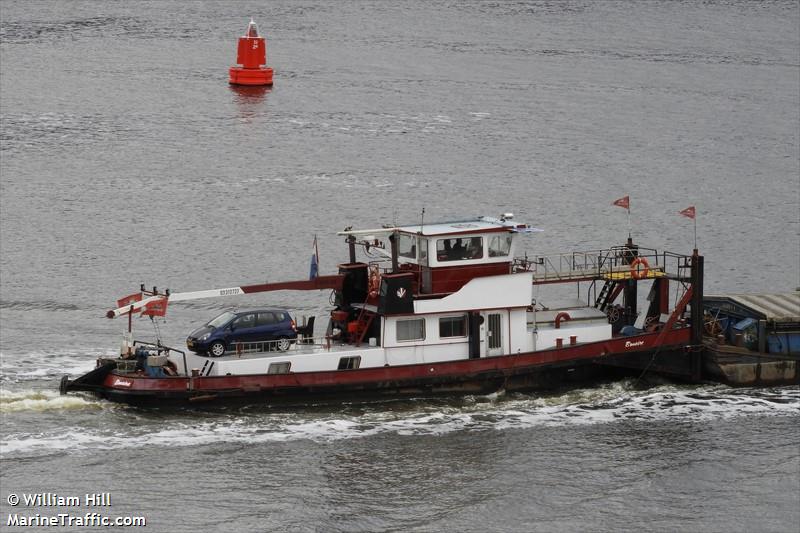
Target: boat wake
{"type": "Point", "coordinates": [42, 365]}
{"type": "Point", "coordinates": [44, 400]}
{"type": "Point", "coordinates": [497, 412]}
{"type": "Point", "coordinates": [659, 404]}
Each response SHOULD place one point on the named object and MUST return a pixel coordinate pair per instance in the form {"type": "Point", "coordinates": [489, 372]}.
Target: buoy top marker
{"type": "Point", "coordinates": [252, 29]}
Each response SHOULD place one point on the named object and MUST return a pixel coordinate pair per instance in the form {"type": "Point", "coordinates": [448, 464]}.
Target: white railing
{"type": "Point", "coordinates": [279, 346]}
{"type": "Point", "coordinates": [592, 263]}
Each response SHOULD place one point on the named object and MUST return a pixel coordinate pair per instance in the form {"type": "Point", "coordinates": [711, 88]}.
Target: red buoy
{"type": "Point", "coordinates": [252, 56]}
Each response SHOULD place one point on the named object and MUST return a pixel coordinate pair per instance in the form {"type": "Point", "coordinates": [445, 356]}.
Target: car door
{"type": "Point", "coordinates": [283, 325]}
{"type": "Point", "coordinates": [243, 328]}
{"type": "Point", "coordinates": [265, 324]}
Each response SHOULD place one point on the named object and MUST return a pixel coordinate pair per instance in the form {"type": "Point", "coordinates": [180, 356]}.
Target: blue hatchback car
{"type": "Point", "coordinates": [259, 325]}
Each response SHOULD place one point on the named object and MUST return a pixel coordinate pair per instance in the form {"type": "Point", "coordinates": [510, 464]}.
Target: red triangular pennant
{"type": "Point", "coordinates": [130, 299]}
{"type": "Point", "coordinates": [157, 307]}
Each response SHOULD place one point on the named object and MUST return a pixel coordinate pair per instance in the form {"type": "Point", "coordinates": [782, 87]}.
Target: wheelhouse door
{"type": "Point", "coordinates": [494, 334]}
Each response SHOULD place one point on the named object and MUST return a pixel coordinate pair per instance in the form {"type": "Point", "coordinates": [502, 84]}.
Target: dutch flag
{"type": "Point", "coordinates": [314, 272]}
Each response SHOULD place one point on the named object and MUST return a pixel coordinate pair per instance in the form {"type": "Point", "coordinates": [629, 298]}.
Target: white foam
{"type": "Point", "coordinates": [498, 411]}
{"type": "Point", "coordinates": [43, 400]}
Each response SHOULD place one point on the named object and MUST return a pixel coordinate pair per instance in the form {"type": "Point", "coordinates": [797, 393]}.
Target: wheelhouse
{"type": "Point", "coordinates": [445, 256]}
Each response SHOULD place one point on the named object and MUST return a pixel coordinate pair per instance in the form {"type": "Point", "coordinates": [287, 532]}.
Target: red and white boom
{"type": "Point", "coordinates": [318, 283]}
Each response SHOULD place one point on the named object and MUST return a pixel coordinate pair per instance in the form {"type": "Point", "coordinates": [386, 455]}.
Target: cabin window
{"type": "Point", "coordinates": [494, 333]}
{"type": "Point", "coordinates": [499, 245]}
{"type": "Point", "coordinates": [349, 363]}
{"type": "Point", "coordinates": [423, 250]}
{"type": "Point", "coordinates": [407, 246]}
{"type": "Point", "coordinates": [459, 249]}
{"type": "Point", "coordinates": [279, 368]}
{"type": "Point", "coordinates": [453, 326]}
{"type": "Point", "coordinates": [411, 330]}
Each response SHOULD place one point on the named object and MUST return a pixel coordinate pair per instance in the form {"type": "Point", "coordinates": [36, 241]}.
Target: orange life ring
{"type": "Point", "coordinates": [640, 273]}
{"type": "Point", "coordinates": [374, 280]}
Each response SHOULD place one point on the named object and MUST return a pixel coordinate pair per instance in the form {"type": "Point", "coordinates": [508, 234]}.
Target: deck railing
{"type": "Point", "coordinates": [600, 264]}
{"type": "Point", "coordinates": [301, 343]}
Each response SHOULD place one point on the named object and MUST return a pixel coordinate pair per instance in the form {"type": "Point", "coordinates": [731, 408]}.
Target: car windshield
{"type": "Point", "coordinates": [221, 320]}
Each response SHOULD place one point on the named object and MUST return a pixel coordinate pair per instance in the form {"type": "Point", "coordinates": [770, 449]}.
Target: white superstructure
{"type": "Point", "coordinates": [438, 330]}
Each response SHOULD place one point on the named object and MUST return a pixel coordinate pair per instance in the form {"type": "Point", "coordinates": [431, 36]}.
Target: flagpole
{"type": "Point", "coordinates": [625, 202]}
{"type": "Point", "coordinates": [629, 223]}
{"type": "Point", "coordinates": [691, 212]}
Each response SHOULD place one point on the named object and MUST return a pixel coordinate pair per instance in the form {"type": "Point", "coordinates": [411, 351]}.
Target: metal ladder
{"type": "Point", "coordinates": [608, 294]}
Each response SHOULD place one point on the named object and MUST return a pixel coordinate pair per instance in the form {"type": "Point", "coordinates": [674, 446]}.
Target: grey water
{"type": "Point", "coordinates": [126, 158]}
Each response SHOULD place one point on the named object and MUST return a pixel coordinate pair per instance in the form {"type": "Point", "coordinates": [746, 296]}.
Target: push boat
{"type": "Point", "coordinates": [436, 308]}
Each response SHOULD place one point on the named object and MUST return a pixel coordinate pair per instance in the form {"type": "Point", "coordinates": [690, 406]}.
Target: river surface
{"type": "Point", "coordinates": [126, 158]}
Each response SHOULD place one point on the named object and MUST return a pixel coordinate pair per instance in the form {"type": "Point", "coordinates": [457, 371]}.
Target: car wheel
{"type": "Point", "coordinates": [283, 344]}
{"type": "Point", "coordinates": [217, 349]}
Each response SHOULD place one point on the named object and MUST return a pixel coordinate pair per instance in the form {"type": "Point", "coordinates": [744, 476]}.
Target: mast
{"type": "Point", "coordinates": [697, 314]}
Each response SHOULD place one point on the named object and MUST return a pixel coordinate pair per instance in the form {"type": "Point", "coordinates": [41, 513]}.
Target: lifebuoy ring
{"type": "Point", "coordinates": [374, 280]}
{"type": "Point", "coordinates": [640, 268]}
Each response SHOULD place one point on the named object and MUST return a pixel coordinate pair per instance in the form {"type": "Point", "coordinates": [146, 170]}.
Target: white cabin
{"type": "Point", "coordinates": [494, 313]}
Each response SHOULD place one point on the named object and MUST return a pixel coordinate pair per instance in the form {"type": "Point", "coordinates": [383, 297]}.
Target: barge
{"type": "Point", "coordinates": [436, 309]}
{"type": "Point", "coordinates": [752, 339]}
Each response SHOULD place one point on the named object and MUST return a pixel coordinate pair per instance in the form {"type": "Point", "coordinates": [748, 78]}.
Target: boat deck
{"type": "Point", "coordinates": [296, 349]}
{"type": "Point", "coordinates": [614, 274]}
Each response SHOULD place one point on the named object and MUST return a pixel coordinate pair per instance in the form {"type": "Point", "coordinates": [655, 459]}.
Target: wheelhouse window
{"type": "Point", "coordinates": [499, 245]}
{"type": "Point", "coordinates": [423, 250]}
{"type": "Point", "coordinates": [279, 368]}
{"type": "Point", "coordinates": [349, 363]}
{"type": "Point", "coordinates": [411, 330]}
{"type": "Point", "coordinates": [459, 249]}
{"type": "Point", "coordinates": [407, 246]}
{"type": "Point", "coordinates": [453, 326]}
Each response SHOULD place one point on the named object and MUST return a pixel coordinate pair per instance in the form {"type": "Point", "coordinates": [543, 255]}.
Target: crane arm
{"type": "Point", "coordinates": [319, 283]}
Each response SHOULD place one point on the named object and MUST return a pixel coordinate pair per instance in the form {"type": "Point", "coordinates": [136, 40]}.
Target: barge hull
{"type": "Point", "coordinates": [519, 372]}
{"type": "Point", "coordinates": [543, 379]}
{"type": "Point", "coordinates": [739, 367]}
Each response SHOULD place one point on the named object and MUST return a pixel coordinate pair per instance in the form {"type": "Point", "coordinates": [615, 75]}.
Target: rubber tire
{"type": "Point", "coordinates": [221, 348]}
{"type": "Point", "coordinates": [283, 344]}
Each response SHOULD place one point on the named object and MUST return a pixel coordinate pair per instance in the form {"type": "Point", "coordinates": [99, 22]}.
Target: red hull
{"type": "Point", "coordinates": [470, 375]}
